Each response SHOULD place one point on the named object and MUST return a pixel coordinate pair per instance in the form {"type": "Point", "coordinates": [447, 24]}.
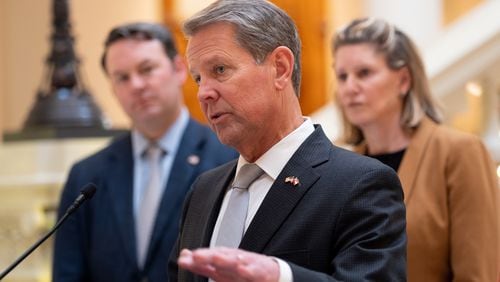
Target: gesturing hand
{"type": "Point", "coordinates": [230, 265]}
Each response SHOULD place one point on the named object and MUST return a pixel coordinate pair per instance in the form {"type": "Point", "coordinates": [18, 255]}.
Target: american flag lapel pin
{"type": "Point", "coordinates": [292, 180]}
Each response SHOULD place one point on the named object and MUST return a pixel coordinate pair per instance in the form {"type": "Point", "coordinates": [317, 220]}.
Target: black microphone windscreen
{"type": "Point", "coordinates": [88, 190]}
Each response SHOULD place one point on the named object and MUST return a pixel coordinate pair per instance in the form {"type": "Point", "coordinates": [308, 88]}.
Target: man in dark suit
{"type": "Point", "coordinates": [100, 242]}
{"type": "Point", "coordinates": [318, 212]}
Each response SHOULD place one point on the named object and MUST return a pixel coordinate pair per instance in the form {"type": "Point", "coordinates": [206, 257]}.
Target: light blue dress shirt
{"type": "Point", "coordinates": [169, 143]}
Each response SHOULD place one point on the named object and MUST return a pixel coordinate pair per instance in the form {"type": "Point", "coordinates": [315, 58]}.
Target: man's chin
{"type": "Point", "coordinates": [149, 115]}
{"type": "Point", "coordinates": [226, 138]}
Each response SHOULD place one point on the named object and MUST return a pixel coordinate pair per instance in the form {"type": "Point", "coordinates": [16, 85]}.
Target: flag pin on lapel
{"type": "Point", "coordinates": [292, 180]}
{"type": "Point", "coordinates": [193, 160]}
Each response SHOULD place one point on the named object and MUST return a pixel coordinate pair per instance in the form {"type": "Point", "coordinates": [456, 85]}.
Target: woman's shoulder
{"type": "Point", "coordinates": [455, 138]}
{"type": "Point", "coordinates": [441, 134]}
{"type": "Point", "coordinates": [459, 146]}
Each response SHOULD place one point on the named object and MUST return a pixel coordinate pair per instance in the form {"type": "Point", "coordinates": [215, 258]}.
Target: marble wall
{"type": "Point", "coordinates": [31, 176]}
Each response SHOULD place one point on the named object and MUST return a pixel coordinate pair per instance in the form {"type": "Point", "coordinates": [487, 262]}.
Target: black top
{"type": "Point", "coordinates": [391, 159]}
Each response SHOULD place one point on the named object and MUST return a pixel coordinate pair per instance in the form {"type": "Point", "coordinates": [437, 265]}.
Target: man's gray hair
{"type": "Point", "coordinates": [260, 25]}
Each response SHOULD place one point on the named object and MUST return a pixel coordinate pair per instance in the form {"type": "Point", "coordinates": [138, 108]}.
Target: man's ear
{"type": "Point", "coordinates": [283, 61]}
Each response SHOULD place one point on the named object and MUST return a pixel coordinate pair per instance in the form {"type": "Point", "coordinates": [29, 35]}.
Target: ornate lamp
{"type": "Point", "coordinates": [63, 105]}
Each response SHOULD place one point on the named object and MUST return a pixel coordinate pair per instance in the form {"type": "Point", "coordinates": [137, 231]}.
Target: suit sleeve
{"type": "Point", "coordinates": [173, 268]}
{"type": "Point", "coordinates": [372, 241]}
{"type": "Point", "coordinates": [69, 261]}
{"type": "Point", "coordinates": [473, 207]}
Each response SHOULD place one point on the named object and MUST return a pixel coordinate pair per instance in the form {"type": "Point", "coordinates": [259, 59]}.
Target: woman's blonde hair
{"type": "Point", "coordinates": [399, 52]}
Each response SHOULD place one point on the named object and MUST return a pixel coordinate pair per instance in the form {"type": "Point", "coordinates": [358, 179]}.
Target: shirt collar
{"type": "Point", "coordinates": [169, 141]}
{"type": "Point", "coordinates": [274, 160]}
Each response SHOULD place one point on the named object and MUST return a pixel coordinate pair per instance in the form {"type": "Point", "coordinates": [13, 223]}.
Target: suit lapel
{"type": "Point", "coordinates": [178, 182]}
{"type": "Point", "coordinates": [204, 206]}
{"type": "Point", "coordinates": [284, 196]}
{"type": "Point", "coordinates": [412, 160]}
{"type": "Point", "coordinates": [120, 186]}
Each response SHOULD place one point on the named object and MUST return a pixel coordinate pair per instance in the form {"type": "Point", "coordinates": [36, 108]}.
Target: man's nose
{"type": "Point", "coordinates": [137, 81]}
{"type": "Point", "coordinates": [206, 91]}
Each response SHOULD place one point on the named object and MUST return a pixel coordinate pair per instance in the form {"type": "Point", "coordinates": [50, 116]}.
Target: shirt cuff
{"type": "Point", "coordinates": [285, 271]}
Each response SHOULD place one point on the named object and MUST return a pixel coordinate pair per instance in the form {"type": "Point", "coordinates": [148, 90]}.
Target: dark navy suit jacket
{"type": "Point", "coordinates": [345, 221]}
{"type": "Point", "coordinates": [97, 242]}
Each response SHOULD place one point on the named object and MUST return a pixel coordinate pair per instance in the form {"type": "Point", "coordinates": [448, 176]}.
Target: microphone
{"type": "Point", "coordinates": [85, 194]}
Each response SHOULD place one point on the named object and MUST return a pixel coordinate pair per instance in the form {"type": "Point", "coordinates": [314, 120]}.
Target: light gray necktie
{"type": "Point", "coordinates": [233, 223]}
{"type": "Point", "coordinates": [150, 202]}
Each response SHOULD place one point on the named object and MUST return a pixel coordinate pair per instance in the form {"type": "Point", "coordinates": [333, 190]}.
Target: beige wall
{"type": "Point", "coordinates": [25, 31]}
{"type": "Point", "coordinates": [25, 27]}
{"type": "Point", "coordinates": [2, 62]}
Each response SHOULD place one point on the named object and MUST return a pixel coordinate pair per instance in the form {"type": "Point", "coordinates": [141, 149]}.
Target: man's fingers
{"type": "Point", "coordinates": [223, 264]}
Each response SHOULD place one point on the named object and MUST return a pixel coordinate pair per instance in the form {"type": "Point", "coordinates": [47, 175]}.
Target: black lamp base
{"type": "Point", "coordinates": [61, 133]}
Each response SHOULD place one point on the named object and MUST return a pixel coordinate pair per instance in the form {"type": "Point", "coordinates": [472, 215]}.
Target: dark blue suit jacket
{"type": "Point", "coordinates": [97, 243]}
{"type": "Point", "coordinates": [345, 221]}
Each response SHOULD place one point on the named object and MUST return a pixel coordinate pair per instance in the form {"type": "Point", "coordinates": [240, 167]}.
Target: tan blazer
{"type": "Point", "coordinates": [451, 197]}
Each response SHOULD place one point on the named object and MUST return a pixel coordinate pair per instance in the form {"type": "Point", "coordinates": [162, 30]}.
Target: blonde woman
{"type": "Point", "coordinates": [447, 176]}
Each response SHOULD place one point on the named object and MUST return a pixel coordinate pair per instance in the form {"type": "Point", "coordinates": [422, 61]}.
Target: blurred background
{"type": "Point", "coordinates": [458, 39]}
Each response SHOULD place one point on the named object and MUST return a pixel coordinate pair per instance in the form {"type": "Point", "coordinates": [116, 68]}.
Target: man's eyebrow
{"type": "Point", "coordinates": [215, 59]}
{"type": "Point", "coordinates": [117, 73]}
